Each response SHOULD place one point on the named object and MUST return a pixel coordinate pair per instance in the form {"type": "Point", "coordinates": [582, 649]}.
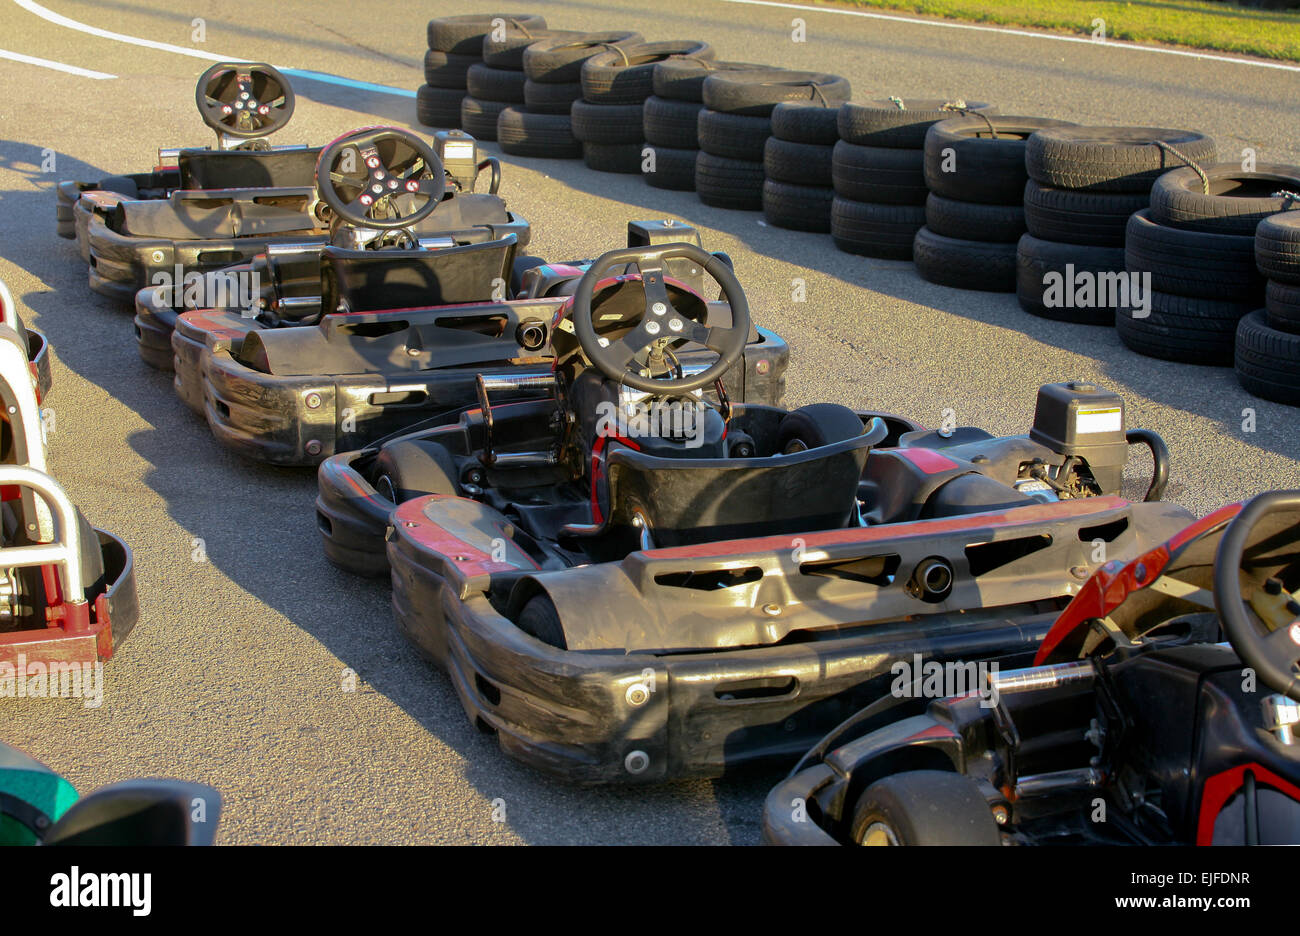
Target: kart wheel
{"type": "Point", "coordinates": [879, 174]}
{"type": "Point", "coordinates": [924, 807]}
{"type": "Point", "coordinates": [965, 161]}
{"type": "Point", "coordinates": [683, 79]}
{"type": "Point", "coordinates": [798, 207]}
{"type": "Point", "coordinates": [964, 264]}
{"type": "Point", "coordinates": [540, 619]}
{"type": "Point", "coordinates": [1268, 361]}
{"type": "Point", "coordinates": [413, 468]}
{"type": "Point", "coordinates": [1193, 263]}
{"type": "Point", "coordinates": [872, 230]}
{"type": "Point", "coordinates": [729, 183]}
{"type": "Point", "coordinates": [548, 136]}
{"type": "Point", "coordinates": [1237, 202]}
{"type": "Point", "coordinates": [798, 163]}
{"type": "Point", "coordinates": [1094, 219]}
{"type": "Point", "coordinates": [816, 425]}
{"type": "Point", "coordinates": [885, 123]}
{"type": "Point", "coordinates": [1178, 328]}
{"type": "Point", "coordinates": [756, 93]}
{"type": "Point", "coordinates": [120, 184]}
{"type": "Point", "coordinates": [993, 224]}
{"type": "Point", "coordinates": [1111, 159]}
{"type": "Point", "coordinates": [797, 122]}
{"type": "Point", "coordinates": [674, 169]}
{"type": "Point", "coordinates": [733, 136]}
{"type": "Point", "coordinates": [671, 123]}
{"type": "Point", "coordinates": [626, 76]}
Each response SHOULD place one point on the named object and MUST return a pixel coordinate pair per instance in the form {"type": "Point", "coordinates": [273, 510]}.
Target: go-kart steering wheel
{"type": "Point", "coordinates": [380, 170]}
{"type": "Point", "coordinates": [244, 99]}
{"type": "Point", "coordinates": [1273, 654]}
{"type": "Point", "coordinates": [661, 322]}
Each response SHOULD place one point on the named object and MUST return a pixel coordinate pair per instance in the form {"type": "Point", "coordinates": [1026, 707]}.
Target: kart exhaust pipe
{"type": "Point", "coordinates": [531, 336]}
{"type": "Point", "coordinates": [932, 579]}
{"type": "Point", "coordinates": [1061, 781]}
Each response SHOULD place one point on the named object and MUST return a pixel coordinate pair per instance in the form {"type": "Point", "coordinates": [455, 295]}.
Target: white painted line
{"type": "Point", "coordinates": [57, 66]}
{"type": "Point", "coordinates": [59, 20]}
{"type": "Point", "coordinates": [948, 24]}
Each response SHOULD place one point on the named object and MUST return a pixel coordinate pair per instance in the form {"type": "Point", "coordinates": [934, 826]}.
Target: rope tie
{"type": "Point", "coordinates": [611, 47]}
{"type": "Point", "coordinates": [898, 102]}
{"type": "Point", "coordinates": [1166, 148]}
{"type": "Point", "coordinates": [520, 26]}
{"type": "Point", "coordinates": [1291, 198]}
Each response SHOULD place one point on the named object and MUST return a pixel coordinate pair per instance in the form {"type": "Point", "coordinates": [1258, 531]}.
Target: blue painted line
{"type": "Point", "coordinates": [347, 82]}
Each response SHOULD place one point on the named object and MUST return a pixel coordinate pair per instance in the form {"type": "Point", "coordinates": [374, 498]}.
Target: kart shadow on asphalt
{"type": "Point", "coordinates": [1212, 393]}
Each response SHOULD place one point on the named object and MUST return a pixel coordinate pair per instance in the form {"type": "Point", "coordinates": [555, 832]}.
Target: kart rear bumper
{"type": "Point", "coordinates": [786, 819]}
{"type": "Point", "coordinates": [114, 614]}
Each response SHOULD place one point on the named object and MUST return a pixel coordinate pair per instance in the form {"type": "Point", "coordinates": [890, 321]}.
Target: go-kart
{"type": "Point", "coordinates": [1133, 726]}
{"type": "Point", "coordinates": [31, 342]}
{"type": "Point", "coordinates": [39, 807]}
{"type": "Point", "coordinates": [67, 590]}
{"type": "Point", "coordinates": [390, 199]}
{"type": "Point", "coordinates": [621, 594]}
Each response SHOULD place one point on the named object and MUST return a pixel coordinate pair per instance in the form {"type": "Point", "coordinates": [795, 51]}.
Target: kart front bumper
{"type": "Point", "coordinates": [113, 616]}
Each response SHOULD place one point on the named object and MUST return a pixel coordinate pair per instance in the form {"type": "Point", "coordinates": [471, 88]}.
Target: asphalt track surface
{"type": "Point", "coordinates": [233, 675]}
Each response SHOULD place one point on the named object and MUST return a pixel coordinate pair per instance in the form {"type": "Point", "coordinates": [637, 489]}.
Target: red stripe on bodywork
{"type": "Point", "coordinates": [929, 461]}
{"type": "Point", "coordinates": [1219, 789]}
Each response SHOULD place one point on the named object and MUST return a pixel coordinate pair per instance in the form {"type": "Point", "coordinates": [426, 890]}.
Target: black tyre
{"type": "Point", "coordinates": [798, 163]}
{"type": "Point", "coordinates": [1043, 289]}
{"type": "Point", "coordinates": [1097, 219]}
{"type": "Point", "coordinates": [964, 160]}
{"type": "Point", "coordinates": [559, 60]}
{"type": "Point", "coordinates": [607, 123]}
{"type": "Point", "coordinates": [815, 425]}
{"type": "Point", "coordinates": [683, 79]}
{"type": "Point", "coordinates": [521, 266]}
{"type": "Point", "coordinates": [671, 123]}
{"type": "Point", "coordinates": [1237, 200]}
{"type": "Point", "coordinates": [879, 174]}
{"type": "Point", "coordinates": [1111, 159]}
{"type": "Point", "coordinates": [733, 136]}
{"type": "Point", "coordinates": [885, 123]}
{"type": "Point", "coordinates": [413, 468]}
{"type": "Point", "coordinates": [626, 75]}
{"type": "Point", "coordinates": [756, 93]}
{"type": "Point", "coordinates": [539, 618]}
{"type": "Point", "coordinates": [479, 118]}
{"type": "Point", "coordinates": [548, 136]}
{"type": "Point", "coordinates": [800, 122]}
{"type": "Point", "coordinates": [508, 50]}
{"type": "Point", "coordinates": [438, 107]}
{"type": "Point", "coordinates": [1194, 263]}
{"type": "Point", "coordinates": [463, 35]}
{"type": "Point", "coordinates": [442, 70]}
{"type": "Point", "coordinates": [873, 230]}
{"type": "Point", "coordinates": [798, 207]}
{"type": "Point", "coordinates": [542, 98]}
{"type": "Point", "coordinates": [495, 84]}
{"type": "Point", "coordinates": [1268, 360]}
{"type": "Point", "coordinates": [924, 807]}
{"type": "Point", "coordinates": [1282, 303]}
{"type": "Point", "coordinates": [123, 185]}
{"type": "Point", "coordinates": [1180, 328]}
{"type": "Point", "coordinates": [994, 224]}
{"type": "Point", "coordinates": [614, 157]}
{"type": "Point", "coordinates": [964, 264]}
{"type": "Point", "coordinates": [670, 168]}
{"type": "Point", "coordinates": [1277, 247]}
{"type": "Point", "coordinates": [729, 183]}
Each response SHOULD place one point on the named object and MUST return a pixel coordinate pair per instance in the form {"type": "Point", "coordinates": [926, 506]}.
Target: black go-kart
{"type": "Point", "coordinates": [385, 327]}
{"type": "Point", "coordinates": [623, 593]}
{"type": "Point", "coordinates": [1135, 725]}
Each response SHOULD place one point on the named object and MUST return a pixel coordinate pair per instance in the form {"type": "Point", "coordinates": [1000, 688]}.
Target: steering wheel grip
{"type": "Point", "coordinates": [377, 173]}
{"type": "Point", "coordinates": [1272, 655]}
{"type": "Point", "coordinates": [216, 114]}
{"type": "Point", "coordinates": [732, 339]}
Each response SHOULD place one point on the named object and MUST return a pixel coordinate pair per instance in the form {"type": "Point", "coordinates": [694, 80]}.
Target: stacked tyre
{"type": "Point", "coordinates": [1268, 341]}
{"type": "Point", "coordinates": [797, 190]}
{"type": "Point", "coordinates": [539, 126]}
{"type": "Point", "coordinates": [609, 118]}
{"type": "Point", "coordinates": [734, 126]}
{"type": "Point", "coordinates": [456, 46]}
{"type": "Point", "coordinates": [553, 82]}
{"type": "Point", "coordinates": [1084, 185]}
{"type": "Point", "coordinates": [975, 213]}
{"type": "Point", "coordinates": [878, 173]}
{"type": "Point", "coordinates": [670, 118]}
{"type": "Point", "coordinates": [1196, 246]}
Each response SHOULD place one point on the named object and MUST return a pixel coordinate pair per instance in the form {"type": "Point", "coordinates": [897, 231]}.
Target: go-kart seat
{"type": "Point", "coordinates": [686, 501]}
{"type": "Point", "coordinates": [373, 280]}
{"type": "Point", "coordinates": [216, 215]}
{"type": "Point", "coordinates": [236, 169]}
